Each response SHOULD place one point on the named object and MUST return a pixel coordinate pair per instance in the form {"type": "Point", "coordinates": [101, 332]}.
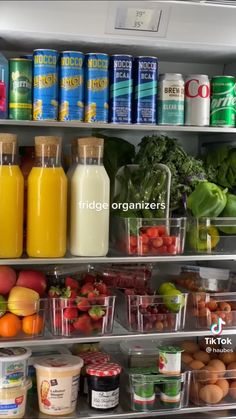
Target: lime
{"type": "Point", "coordinates": [165, 287]}
{"type": "Point", "coordinates": [174, 300]}
{"type": "Point", "coordinates": [3, 306]}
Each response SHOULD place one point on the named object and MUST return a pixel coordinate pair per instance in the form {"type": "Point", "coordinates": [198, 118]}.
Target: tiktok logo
{"type": "Point", "coordinates": [217, 328]}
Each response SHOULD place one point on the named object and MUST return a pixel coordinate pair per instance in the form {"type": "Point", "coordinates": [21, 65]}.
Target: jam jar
{"type": "Point", "coordinates": [90, 358]}
{"type": "Point", "coordinates": [103, 385]}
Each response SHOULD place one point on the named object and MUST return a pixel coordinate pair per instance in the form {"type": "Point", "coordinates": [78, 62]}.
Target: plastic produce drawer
{"type": "Point", "coordinates": [147, 313]}
{"type": "Point", "coordinates": [211, 235]}
{"type": "Point", "coordinates": [148, 236]}
{"type": "Point", "coordinates": [69, 318]}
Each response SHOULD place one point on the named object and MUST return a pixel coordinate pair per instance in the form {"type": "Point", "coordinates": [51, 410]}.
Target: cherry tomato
{"type": "Point", "coordinates": [133, 250]}
{"type": "Point", "coordinates": [158, 242]}
{"type": "Point", "coordinates": [144, 239]}
{"type": "Point", "coordinates": [152, 232]}
{"type": "Point", "coordinates": [167, 240]}
{"type": "Point", "coordinates": [162, 250]}
{"type": "Point", "coordinates": [133, 241]}
{"type": "Point", "coordinates": [161, 230]}
{"type": "Point", "coordinates": [171, 249]}
{"type": "Point", "coordinates": [144, 249]}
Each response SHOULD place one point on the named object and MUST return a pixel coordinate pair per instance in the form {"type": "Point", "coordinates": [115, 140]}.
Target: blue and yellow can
{"type": "Point", "coordinates": [96, 87]}
{"type": "Point", "coordinates": [71, 106]}
{"type": "Point", "coordinates": [121, 88]}
{"type": "Point", "coordinates": [145, 90]}
{"type": "Point", "coordinates": [45, 91]}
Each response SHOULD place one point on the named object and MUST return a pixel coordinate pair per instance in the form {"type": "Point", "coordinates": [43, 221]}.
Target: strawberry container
{"type": "Point", "coordinates": [213, 388]}
{"type": "Point", "coordinates": [152, 391]}
{"type": "Point", "coordinates": [126, 276]}
{"type": "Point", "coordinates": [205, 310]}
{"type": "Point", "coordinates": [23, 319]}
{"type": "Point", "coordinates": [211, 235]}
{"type": "Point", "coordinates": [77, 317]}
{"type": "Point", "coordinates": [150, 313]}
{"type": "Point", "coordinates": [148, 236]}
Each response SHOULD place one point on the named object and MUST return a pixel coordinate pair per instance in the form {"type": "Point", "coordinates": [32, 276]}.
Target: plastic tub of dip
{"type": "Point", "coordinates": [103, 385]}
{"type": "Point", "coordinates": [170, 360]}
{"type": "Point", "coordinates": [13, 400]}
{"type": "Point", "coordinates": [57, 383]}
{"type": "Point", "coordinates": [13, 366]}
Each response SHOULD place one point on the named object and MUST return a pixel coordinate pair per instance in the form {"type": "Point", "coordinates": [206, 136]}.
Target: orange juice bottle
{"type": "Point", "coordinates": [11, 199]}
{"type": "Point", "coordinates": [47, 201]}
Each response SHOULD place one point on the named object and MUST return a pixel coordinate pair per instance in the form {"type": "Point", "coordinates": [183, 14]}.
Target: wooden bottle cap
{"type": "Point", "coordinates": [47, 146]}
{"type": "Point", "coordinates": [90, 147]}
{"type": "Point", "coordinates": [8, 143]}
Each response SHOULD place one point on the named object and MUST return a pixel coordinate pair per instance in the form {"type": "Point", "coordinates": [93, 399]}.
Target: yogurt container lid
{"type": "Point", "coordinates": [94, 357]}
{"type": "Point", "coordinates": [59, 363]}
{"type": "Point", "coordinates": [14, 354]}
{"type": "Point", "coordinates": [170, 349]}
{"type": "Point", "coordinates": [107, 369]}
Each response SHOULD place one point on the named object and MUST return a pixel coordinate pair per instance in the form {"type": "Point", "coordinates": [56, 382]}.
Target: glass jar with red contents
{"type": "Point", "coordinates": [103, 385]}
{"type": "Point", "coordinates": [90, 358]}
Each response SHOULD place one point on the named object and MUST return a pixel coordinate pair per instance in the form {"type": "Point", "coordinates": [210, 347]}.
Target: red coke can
{"type": "Point", "coordinates": [197, 100]}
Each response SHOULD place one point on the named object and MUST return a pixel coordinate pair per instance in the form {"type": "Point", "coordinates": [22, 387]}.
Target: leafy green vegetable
{"type": "Point", "coordinates": [186, 171]}
{"type": "Point", "coordinates": [220, 163]}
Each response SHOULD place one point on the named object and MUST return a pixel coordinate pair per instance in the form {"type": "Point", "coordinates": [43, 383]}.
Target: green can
{"type": "Point", "coordinates": [223, 101]}
{"type": "Point", "coordinates": [20, 91]}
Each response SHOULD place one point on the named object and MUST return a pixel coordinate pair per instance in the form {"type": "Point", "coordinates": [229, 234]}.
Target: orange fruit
{"type": "Point", "coordinates": [10, 325]}
{"type": "Point", "coordinates": [32, 325]}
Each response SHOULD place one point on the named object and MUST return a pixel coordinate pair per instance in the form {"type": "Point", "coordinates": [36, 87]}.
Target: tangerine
{"type": "Point", "coordinates": [32, 325]}
{"type": "Point", "coordinates": [10, 325]}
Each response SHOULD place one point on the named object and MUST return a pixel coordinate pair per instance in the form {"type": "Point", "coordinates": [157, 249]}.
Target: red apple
{"type": "Point", "coordinates": [7, 279]}
{"type": "Point", "coordinates": [34, 280]}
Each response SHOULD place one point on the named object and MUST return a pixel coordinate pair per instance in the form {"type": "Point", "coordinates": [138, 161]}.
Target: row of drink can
{"type": "Point", "coordinates": [118, 89]}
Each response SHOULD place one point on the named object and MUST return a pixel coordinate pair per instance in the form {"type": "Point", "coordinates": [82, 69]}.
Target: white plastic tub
{"type": "Point", "coordinates": [57, 383]}
{"type": "Point", "coordinates": [13, 366]}
{"type": "Point", "coordinates": [13, 400]}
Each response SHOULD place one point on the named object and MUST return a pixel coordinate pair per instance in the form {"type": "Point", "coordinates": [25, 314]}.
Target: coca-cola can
{"type": "Point", "coordinates": [197, 100]}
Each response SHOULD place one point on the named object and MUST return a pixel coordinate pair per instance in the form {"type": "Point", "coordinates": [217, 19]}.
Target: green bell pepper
{"type": "Point", "coordinates": [229, 211]}
{"type": "Point", "coordinates": [207, 200]}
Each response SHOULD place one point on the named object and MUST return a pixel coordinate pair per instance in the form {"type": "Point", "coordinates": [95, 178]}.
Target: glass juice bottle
{"type": "Point", "coordinates": [90, 191]}
{"type": "Point", "coordinates": [11, 199]}
{"type": "Point", "coordinates": [47, 201]}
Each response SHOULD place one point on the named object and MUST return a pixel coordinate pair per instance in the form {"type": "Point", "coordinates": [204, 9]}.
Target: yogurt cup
{"type": "Point", "coordinates": [13, 400]}
{"type": "Point", "coordinates": [13, 366]}
{"type": "Point", "coordinates": [57, 383]}
{"type": "Point", "coordinates": [170, 360]}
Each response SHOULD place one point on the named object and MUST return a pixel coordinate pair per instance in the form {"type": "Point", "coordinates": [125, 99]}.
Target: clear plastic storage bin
{"type": "Point", "coordinates": [23, 319]}
{"type": "Point", "coordinates": [151, 313]}
{"type": "Point", "coordinates": [206, 309]}
{"type": "Point", "coordinates": [126, 276]}
{"type": "Point", "coordinates": [148, 236]}
{"type": "Point", "coordinates": [139, 353]}
{"type": "Point", "coordinates": [209, 388]}
{"type": "Point", "coordinates": [150, 392]}
{"type": "Point", "coordinates": [211, 235]}
{"type": "Point", "coordinates": [67, 319]}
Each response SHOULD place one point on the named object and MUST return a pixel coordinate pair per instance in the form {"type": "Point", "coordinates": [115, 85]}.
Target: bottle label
{"type": "Point", "coordinates": [3, 96]}
{"type": "Point", "coordinates": [105, 399]}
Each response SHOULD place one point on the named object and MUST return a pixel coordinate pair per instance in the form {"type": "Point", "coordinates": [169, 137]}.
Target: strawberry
{"type": "Point", "coordinates": [57, 321]}
{"type": "Point", "coordinates": [92, 294]}
{"type": "Point", "coordinates": [83, 304]}
{"type": "Point", "coordinates": [101, 287]}
{"type": "Point", "coordinates": [88, 278]}
{"type": "Point", "coordinates": [86, 288]}
{"type": "Point", "coordinates": [96, 313]}
{"type": "Point", "coordinates": [83, 324]}
{"type": "Point", "coordinates": [70, 313]}
{"type": "Point", "coordinates": [97, 326]}
{"type": "Point", "coordinates": [68, 293]}
{"type": "Point", "coordinates": [54, 292]}
{"type": "Point", "coordinates": [72, 283]}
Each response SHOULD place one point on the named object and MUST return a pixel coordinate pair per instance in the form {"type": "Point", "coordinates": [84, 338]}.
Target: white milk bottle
{"type": "Point", "coordinates": [90, 191]}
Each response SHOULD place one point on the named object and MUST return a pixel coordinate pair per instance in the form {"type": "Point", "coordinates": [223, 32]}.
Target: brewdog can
{"type": "Point", "coordinates": [223, 101]}
{"type": "Point", "coordinates": [20, 92]}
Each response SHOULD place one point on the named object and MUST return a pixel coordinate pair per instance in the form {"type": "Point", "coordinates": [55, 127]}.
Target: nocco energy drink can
{"type": "Point", "coordinates": [145, 90]}
{"type": "Point", "coordinates": [197, 100]}
{"type": "Point", "coordinates": [223, 101]}
{"type": "Point", "coordinates": [20, 89]}
{"type": "Point", "coordinates": [45, 92]}
{"type": "Point", "coordinates": [171, 99]}
{"type": "Point", "coordinates": [121, 88]}
{"type": "Point", "coordinates": [71, 107]}
{"type": "Point", "coordinates": [96, 87]}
